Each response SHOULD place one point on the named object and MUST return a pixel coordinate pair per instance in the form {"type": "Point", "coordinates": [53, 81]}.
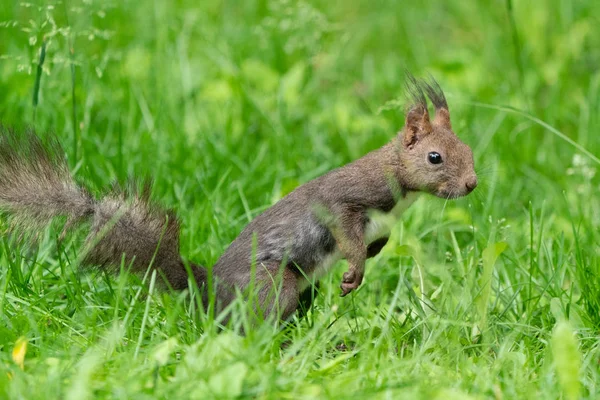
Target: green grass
{"type": "Point", "coordinates": [230, 105]}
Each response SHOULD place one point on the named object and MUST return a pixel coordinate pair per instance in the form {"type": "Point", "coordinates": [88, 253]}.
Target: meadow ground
{"type": "Point", "coordinates": [230, 105]}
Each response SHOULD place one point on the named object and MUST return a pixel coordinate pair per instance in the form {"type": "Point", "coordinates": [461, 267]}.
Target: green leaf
{"type": "Point", "coordinates": [567, 359]}
{"type": "Point", "coordinates": [489, 256]}
{"type": "Point", "coordinates": [405, 250]}
{"type": "Point", "coordinates": [227, 383]}
{"type": "Point", "coordinates": [292, 83]}
{"type": "Point", "coordinates": [331, 364]}
{"type": "Point", "coordinates": [162, 352]}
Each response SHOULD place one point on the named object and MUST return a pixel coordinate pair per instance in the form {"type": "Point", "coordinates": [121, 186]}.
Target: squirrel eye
{"type": "Point", "coordinates": [434, 157]}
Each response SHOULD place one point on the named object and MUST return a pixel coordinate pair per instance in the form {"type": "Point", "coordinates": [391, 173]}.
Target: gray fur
{"type": "Point", "coordinates": [35, 184]}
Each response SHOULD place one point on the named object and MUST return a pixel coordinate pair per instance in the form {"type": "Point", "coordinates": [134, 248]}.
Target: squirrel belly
{"type": "Point", "coordinates": [380, 224]}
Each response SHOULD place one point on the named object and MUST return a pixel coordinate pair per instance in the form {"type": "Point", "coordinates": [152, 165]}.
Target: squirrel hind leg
{"type": "Point", "coordinates": [278, 292]}
{"type": "Point", "coordinates": [306, 299]}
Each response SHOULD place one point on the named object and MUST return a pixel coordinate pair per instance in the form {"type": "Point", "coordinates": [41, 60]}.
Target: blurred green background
{"type": "Point", "coordinates": [230, 105]}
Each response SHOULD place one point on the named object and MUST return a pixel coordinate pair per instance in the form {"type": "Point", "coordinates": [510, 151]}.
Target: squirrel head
{"type": "Point", "coordinates": [434, 159]}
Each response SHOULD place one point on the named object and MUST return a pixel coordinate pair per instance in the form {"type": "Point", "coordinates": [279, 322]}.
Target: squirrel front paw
{"type": "Point", "coordinates": [350, 280]}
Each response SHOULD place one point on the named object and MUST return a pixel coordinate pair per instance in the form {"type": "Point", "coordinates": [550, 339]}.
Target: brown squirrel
{"type": "Point", "coordinates": [284, 250]}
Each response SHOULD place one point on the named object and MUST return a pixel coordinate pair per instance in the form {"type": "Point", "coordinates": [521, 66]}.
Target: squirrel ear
{"type": "Point", "coordinates": [417, 125]}
{"type": "Point", "coordinates": [442, 118]}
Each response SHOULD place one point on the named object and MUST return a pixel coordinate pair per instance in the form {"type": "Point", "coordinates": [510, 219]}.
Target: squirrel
{"type": "Point", "coordinates": [287, 248]}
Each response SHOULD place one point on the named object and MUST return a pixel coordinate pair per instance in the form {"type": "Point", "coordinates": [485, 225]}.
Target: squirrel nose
{"type": "Point", "coordinates": [471, 184]}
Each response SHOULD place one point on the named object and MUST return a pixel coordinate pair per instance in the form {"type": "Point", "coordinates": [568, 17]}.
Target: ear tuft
{"type": "Point", "coordinates": [414, 90]}
{"type": "Point", "coordinates": [437, 97]}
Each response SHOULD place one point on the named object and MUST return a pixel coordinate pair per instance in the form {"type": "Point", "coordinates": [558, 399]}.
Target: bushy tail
{"type": "Point", "coordinates": [36, 186]}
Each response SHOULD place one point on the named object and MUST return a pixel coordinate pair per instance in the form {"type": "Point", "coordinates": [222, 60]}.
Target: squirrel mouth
{"type": "Point", "coordinates": [450, 195]}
